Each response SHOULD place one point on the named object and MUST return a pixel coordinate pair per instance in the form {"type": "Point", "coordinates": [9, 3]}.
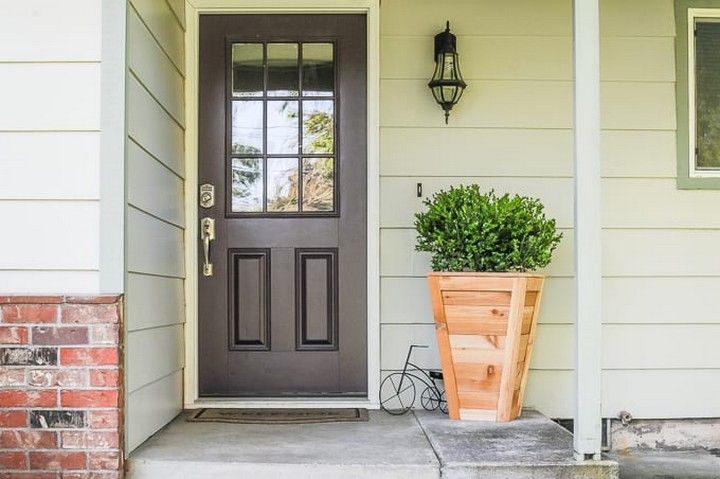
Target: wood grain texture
{"type": "Point", "coordinates": [485, 348]}
{"type": "Point", "coordinates": [526, 348]}
{"type": "Point", "coordinates": [512, 350]}
{"type": "Point", "coordinates": [444, 346]}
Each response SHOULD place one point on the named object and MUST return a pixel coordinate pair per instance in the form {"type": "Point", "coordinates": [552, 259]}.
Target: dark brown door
{"type": "Point", "coordinates": [282, 130]}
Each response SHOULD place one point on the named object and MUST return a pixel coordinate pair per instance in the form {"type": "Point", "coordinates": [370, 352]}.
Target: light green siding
{"type": "Point", "coordinates": [155, 217]}
{"type": "Point", "coordinates": [512, 131]}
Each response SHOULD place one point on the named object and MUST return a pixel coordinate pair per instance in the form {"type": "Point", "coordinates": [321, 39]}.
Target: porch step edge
{"type": "Point", "coordinates": [143, 469]}
{"type": "Point", "coordinates": [605, 469]}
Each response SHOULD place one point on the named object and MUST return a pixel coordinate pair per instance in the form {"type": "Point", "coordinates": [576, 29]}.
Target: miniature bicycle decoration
{"type": "Point", "coordinates": [398, 391]}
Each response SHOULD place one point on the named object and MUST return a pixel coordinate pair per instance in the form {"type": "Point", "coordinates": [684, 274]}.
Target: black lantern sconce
{"type": "Point", "coordinates": [447, 85]}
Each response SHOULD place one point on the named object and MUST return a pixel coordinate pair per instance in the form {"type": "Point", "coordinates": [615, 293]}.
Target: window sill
{"type": "Point", "coordinates": [695, 183]}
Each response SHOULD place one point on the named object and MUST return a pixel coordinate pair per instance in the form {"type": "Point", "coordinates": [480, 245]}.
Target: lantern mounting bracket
{"type": "Point", "coordinates": [445, 41]}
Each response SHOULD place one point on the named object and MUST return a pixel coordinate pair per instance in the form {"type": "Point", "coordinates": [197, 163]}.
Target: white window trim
{"type": "Point", "coordinates": [693, 15]}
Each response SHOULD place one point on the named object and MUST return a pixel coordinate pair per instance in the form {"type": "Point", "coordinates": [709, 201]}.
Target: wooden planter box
{"type": "Point", "coordinates": [485, 325]}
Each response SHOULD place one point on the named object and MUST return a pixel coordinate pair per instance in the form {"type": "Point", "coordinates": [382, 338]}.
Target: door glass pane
{"type": "Point", "coordinates": [283, 75]}
{"type": "Point", "coordinates": [247, 69]}
{"type": "Point", "coordinates": [318, 71]}
{"type": "Point", "coordinates": [707, 101]}
{"type": "Point", "coordinates": [282, 127]}
{"type": "Point", "coordinates": [282, 185]}
{"type": "Point", "coordinates": [247, 184]}
{"type": "Point", "coordinates": [318, 184]}
{"type": "Point", "coordinates": [247, 127]}
{"type": "Point", "coordinates": [318, 126]}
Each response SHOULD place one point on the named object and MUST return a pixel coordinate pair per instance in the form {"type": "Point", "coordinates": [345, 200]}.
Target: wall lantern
{"type": "Point", "coordinates": [447, 85]}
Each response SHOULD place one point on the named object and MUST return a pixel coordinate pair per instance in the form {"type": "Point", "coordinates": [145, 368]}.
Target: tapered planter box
{"type": "Point", "coordinates": [485, 325]}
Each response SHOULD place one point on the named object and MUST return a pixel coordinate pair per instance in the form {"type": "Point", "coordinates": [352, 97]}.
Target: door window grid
{"type": "Point", "coordinates": [297, 166]}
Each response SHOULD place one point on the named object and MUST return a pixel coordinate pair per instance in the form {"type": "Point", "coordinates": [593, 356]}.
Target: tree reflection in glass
{"type": "Point", "coordinates": [282, 127]}
{"type": "Point", "coordinates": [318, 126]}
{"type": "Point", "coordinates": [318, 180]}
{"type": "Point", "coordinates": [247, 127]}
{"type": "Point", "coordinates": [247, 184]}
{"type": "Point", "coordinates": [282, 185]}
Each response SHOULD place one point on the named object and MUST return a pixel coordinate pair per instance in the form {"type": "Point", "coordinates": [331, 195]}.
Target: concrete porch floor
{"type": "Point", "coordinates": [418, 446]}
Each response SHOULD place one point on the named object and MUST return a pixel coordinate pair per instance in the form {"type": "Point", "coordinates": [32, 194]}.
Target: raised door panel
{"type": "Point", "coordinates": [249, 299]}
{"type": "Point", "coordinates": [316, 290]}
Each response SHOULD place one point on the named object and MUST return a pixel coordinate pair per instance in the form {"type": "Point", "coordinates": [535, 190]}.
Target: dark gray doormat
{"type": "Point", "coordinates": [279, 416]}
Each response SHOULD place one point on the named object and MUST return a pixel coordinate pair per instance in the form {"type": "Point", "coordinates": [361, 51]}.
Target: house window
{"type": "Point", "coordinates": [698, 93]}
{"type": "Point", "coordinates": [704, 98]}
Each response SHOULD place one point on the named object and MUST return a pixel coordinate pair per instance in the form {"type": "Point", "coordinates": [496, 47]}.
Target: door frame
{"type": "Point", "coordinates": [193, 10]}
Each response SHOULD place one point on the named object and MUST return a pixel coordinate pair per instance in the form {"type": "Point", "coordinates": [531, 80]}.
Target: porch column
{"type": "Point", "coordinates": [588, 267]}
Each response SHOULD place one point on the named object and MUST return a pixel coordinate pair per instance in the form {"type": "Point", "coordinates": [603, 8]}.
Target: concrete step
{"type": "Point", "coordinates": [418, 446]}
{"type": "Point", "coordinates": [653, 464]}
{"type": "Point", "coordinates": [531, 447]}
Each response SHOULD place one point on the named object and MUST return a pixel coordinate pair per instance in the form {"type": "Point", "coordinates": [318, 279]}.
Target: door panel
{"type": "Point", "coordinates": [250, 299]}
{"type": "Point", "coordinates": [282, 130]}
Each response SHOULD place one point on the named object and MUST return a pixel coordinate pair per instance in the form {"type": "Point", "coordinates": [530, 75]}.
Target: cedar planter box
{"type": "Point", "coordinates": [485, 325]}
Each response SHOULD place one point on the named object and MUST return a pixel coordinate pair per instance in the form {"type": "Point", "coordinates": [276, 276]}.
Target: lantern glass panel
{"type": "Point", "coordinates": [449, 63]}
{"type": "Point", "coordinates": [449, 93]}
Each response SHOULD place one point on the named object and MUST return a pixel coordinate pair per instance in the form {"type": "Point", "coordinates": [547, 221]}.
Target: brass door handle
{"type": "Point", "coordinates": [207, 234]}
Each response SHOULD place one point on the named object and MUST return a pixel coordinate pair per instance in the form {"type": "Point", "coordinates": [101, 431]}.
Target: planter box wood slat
{"type": "Point", "coordinates": [485, 325]}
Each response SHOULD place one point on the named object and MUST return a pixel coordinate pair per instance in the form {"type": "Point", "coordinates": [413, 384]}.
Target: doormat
{"type": "Point", "coordinates": [279, 416]}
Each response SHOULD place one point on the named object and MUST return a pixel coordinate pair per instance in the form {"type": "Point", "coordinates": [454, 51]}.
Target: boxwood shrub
{"type": "Point", "coordinates": [465, 229]}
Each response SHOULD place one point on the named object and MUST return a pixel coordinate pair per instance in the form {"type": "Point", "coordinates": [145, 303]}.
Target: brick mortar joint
{"type": "Point", "coordinates": [109, 417]}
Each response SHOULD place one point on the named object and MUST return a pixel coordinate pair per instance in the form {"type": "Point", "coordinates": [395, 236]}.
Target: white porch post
{"type": "Point", "coordinates": [586, 38]}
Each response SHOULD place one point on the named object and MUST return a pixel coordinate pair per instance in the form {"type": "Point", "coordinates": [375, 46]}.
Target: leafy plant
{"type": "Point", "coordinates": [467, 230]}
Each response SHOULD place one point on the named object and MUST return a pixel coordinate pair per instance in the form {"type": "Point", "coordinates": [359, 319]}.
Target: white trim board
{"type": "Point", "coordinates": [193, 10]}
{"type": "Point", "coordinates": [112, 149]}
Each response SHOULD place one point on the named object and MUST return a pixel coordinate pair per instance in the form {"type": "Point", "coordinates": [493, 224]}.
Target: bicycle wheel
{"type": "Point", "coordinates": [430, 398]}
{"type": "Point", "coordinates": [443, 403]}
{"type": "Point", "coordinates": [397, 394]}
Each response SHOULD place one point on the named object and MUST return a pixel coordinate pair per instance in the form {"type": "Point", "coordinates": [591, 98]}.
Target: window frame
{"type": "Point", "coordinates": [230, 98]}
{"type": "Point", "coordinates": [687, 12]}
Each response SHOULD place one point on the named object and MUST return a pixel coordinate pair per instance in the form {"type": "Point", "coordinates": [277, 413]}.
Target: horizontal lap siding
{"type": "Point", "coordinates": [49, 146]}
{"type": "Point", "coordinates": [512, 131]}
{"type": "Point", "coordinates": [155, 304]}
{"type": "Point", "coordinates": [660, 243]}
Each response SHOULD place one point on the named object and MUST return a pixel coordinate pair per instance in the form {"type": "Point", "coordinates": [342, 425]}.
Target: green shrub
{"type": "Point", "coordinates": [467, 230]}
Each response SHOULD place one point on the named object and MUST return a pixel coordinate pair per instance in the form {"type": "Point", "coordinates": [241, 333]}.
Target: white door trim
{"type": "Point", "coordinates": [193, 9]}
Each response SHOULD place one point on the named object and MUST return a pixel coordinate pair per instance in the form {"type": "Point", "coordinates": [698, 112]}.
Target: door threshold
{"type": "Point", "coordinates": [282, 403]}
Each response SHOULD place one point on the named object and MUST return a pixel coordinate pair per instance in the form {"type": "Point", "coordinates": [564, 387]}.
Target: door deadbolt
{"type": "Point", "coordinates": [207, 195]}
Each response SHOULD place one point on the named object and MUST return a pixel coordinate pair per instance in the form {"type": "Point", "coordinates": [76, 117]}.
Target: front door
{"type": "Point", "coordinates": [282, 173]}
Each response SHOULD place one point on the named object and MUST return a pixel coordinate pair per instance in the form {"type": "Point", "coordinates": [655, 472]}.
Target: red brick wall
{"type": "Point", "coordinates": [60, 387]}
